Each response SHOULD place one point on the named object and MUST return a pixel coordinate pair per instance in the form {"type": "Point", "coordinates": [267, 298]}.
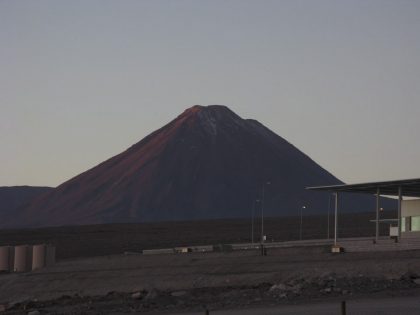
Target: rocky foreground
{"type": "Point", "coordinates": [167, 284]}
{"type": "Point", "coordinates": [229, 297]}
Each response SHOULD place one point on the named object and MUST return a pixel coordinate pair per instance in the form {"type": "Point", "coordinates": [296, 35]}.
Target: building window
{"type": "Point", "coordinates": [403, 224]}
{"type": "Point", "coordinates": [415, 223]}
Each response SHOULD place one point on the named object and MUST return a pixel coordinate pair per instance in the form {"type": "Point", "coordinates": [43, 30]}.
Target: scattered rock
{"type": "Point", "coordinates": [136, 295]}
{"type": "Point", "coordinates": [152, 294]}
{"type": "Point", "coordinates": [278, 287]}
{"type": "Point", "coordinates": [296, 289]}
{"type": "Point", "coordinates": [180, 302]}
{"type": "Point", "coordinates": [409, 275]}
{"type": "Point", "coordinates": [289, 290]}
{"type": "Point", "coordinates": [65, 297]}
{"type": "Point", "coordinates": [179, 293]}
{"type": "Point", "coordinates": [282, 290]}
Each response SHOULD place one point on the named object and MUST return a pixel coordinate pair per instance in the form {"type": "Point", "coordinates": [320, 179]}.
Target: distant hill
{"type": "Point", "coordinates": [13, 197]}
{"type": "Point", "coordinates": [207, 163]}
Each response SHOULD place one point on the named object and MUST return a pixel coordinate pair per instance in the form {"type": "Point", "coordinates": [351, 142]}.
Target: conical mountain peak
{"type": "Point", "coordinates": [213, 108]}
{"type": "Point", "coordinates": [207, 163]}
{"type": "Point", "coordinates": [215, 112]}
{"type": "Point", "coordinates": [212, 118]}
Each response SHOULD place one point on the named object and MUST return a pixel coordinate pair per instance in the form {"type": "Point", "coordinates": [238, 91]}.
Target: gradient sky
{"type": "Point", "coordinates": [82, 80]}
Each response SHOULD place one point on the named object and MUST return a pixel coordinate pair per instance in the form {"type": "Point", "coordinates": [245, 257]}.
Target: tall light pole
{"type": "Point", "coordinates": [252, 220]}
{"type": "Point", "coordinates": [262, 211]}
{"type": "Point", "coordinates": [328, 216]}
{"type": "Point", "coordinates": [301, 219]}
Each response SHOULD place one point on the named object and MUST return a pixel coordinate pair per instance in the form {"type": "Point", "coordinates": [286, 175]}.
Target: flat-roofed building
{"type": "Point", "coordinates": [410, 218]}
{"type": "Point", "coordinates": [407, 191]}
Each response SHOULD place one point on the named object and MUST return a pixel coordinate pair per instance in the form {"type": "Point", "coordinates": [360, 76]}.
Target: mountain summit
{"type": "Point", "coordinates": [207, 163]}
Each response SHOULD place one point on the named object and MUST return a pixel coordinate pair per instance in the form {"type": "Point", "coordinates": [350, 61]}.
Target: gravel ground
{"type": "Point", "coordinates": [174, 283]}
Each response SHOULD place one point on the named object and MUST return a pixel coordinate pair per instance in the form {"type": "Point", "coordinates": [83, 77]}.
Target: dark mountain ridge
{"type": "Point", "coordinates": [14, 197]}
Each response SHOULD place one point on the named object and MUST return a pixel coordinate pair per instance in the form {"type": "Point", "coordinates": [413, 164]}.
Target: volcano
{"type": "Point", "coordinates": [207, 163]}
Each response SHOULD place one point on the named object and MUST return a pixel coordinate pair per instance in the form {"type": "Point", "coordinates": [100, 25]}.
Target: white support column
{"type": "Point", "coordinates": [399, 211]}
{"type": "Point", "coordinates": [335, 218]}
{"type": "Point", "coordinates": [377, 216]}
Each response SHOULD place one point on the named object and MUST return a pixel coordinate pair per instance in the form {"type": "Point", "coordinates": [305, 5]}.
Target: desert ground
{"type": "Point", "coordinates": [96, 279]}
{"type": "Point", "coordinates": [97, 240]}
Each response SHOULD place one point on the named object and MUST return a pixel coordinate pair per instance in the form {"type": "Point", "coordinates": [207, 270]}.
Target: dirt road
{"type": "Point", "coordinates": [379, 306]}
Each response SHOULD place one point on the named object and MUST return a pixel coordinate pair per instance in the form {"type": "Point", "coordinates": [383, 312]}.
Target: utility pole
{"type": "Point", "coordinates": [328, 216]}
{"type": "Point", "coordinates": [262, 211]}
{"type": "Point", "coordinates": [252, 220]}
{"type": "Point", "coordinates": [301, 221]}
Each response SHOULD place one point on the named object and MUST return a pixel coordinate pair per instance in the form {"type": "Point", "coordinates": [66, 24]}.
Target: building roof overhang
{"type": "Point", "coordinates": [409, 188]}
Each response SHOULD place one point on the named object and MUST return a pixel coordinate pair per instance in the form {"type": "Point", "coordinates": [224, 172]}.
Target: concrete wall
{"type": "Point", "coordinates": [410, 234]}
{"type": "Point", "coordinates": [410, 208]}
{"type": "Point", "coordinates": [410, 212]}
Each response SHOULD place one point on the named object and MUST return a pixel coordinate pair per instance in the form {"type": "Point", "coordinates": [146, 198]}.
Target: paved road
{"type": "Point", "coordinates": [382, 306]}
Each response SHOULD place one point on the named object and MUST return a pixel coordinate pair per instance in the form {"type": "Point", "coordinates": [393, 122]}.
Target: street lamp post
{"type": "Point", "coordinates": [252, 220]}
{"type": "Point", "coordinates": [328, 216]}
{"type": "Point", "coordinates": [301, 219]}
{"type": "Point", "coordinates": [262, 211]}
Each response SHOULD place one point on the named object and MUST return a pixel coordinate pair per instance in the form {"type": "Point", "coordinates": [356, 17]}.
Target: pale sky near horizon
{"type": "Point", "coordinates": [81, 81]}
